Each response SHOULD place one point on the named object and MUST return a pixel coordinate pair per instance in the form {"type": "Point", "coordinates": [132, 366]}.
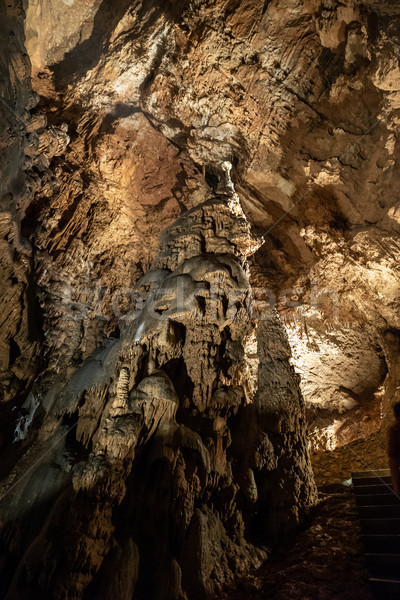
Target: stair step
{"type": "Point", "coordinates": [378, 512]}
{"type": "Point", "coordinates": [380, 526]}
{"type": "Point", "coordinates": [382, 488]}
{"type": "Point", "coordinates": [372, 481]}
{"type": "Point", "coordinates": [384, 565]}
{"type": "Point", "coordinates": [385, 589]}
{"type": "Point", "coordinates": [374, 473]}
{"type": "Point", "coordinates": [378, 499]}
{"type": "Point", "coordinates": [381, 544]}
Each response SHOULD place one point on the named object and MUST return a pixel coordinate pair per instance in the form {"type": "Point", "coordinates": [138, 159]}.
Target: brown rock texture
{"type": "Point", "coordinates": [18, 335]}
{"type": "Point", "coordinates": [160, 448]}
{"type": "Point", "coordinates": [324, 562]}
{"type": "Point", "coordinates": [147, 386]}
{"type": "Point", "coordinates": [302, 97]}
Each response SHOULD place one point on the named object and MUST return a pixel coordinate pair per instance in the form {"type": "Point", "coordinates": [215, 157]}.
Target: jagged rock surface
{"type": "Point", "coordinates": [301, 96]}
{"type": "Point", "coordinates": [160, 449]}
{"type": "Point", "coordinates": [18, 335]}
{"type": "Point", "coordinates": [134, 105]}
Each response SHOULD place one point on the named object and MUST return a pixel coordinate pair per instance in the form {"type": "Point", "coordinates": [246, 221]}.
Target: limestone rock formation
{"type": "Point", "coordinates": [121, 233]}
{"type": "Point", "coordinates": [301, 96]}
{"type": "Point", "coordinates": [161, 449]}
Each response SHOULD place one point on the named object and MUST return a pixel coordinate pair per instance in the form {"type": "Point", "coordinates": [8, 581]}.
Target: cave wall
{"type": "Point", "coordinates": [302, 97]}
{"type": "Point", "coordinates": [135, 107]}
{"type": "Point", "coordinates": [19, 334]}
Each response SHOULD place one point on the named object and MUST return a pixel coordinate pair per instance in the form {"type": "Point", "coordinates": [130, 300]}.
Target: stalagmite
{"type": "Point", "coordinates": [199, 241]}
{"type": "Point", "coordinates": [169, 440]}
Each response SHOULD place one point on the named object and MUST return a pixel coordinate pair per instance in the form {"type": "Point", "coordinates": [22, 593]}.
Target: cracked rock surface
{"type": "Point", "coordinates": [161, 450]}
{"type": "Point", "coordinates": [147, 335]}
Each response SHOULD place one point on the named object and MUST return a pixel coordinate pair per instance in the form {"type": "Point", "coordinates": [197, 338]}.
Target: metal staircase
{"type": "Point", "coordinates": [379, 512]}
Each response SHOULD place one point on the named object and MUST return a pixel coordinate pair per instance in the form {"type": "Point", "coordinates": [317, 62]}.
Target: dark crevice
{"type": "Point", "coordinates": [15, 351]}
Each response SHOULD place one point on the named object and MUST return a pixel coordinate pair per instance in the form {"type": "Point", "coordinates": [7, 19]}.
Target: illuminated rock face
{"type": "Point", "coordinates": [166, 456]}
{"type": "Point", "coordinates": [135, 107]}
{"type": "Point", "coordinates": [301, 96]}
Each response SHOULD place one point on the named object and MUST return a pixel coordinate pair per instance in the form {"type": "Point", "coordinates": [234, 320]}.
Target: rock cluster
{"type": "Point", "coordinates": [326, 560]}
{"type": "Point", "coordinates": [301, 96]}
{"type": "Point", "coordinates": [133, 370]}
{"type": "Point", "coordinates": [169, 453]}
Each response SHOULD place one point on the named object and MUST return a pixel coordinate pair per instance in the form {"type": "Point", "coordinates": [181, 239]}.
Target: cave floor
{"type": "Point", "coordinates": [325, 560]}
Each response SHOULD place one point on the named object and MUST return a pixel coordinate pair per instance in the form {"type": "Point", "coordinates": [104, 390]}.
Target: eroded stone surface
{"type": "Point", "coordinates": [158, 444]}
{"type": "Point", "coordinates": [137, 106]}
{"type": "Point", "coordinates": [301, 96]}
